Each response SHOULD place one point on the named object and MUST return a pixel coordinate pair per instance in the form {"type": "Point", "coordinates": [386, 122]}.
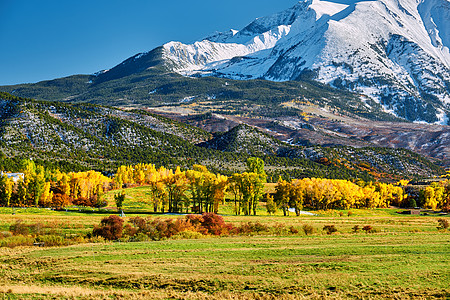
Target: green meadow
{"type": "Point", "coordinates": [406, 257]}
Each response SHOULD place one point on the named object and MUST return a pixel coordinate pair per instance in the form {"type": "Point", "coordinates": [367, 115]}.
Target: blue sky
{"type": "Point", "coordinates": [49, 39]}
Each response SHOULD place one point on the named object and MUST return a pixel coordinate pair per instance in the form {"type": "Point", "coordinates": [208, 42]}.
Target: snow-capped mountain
{"type": "Point", "coordinates": [393, 51]}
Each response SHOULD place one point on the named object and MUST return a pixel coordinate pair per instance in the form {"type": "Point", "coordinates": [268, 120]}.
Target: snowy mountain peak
{"type": "Point", "coordinates": [327, 8]}
{"type": "Point", "coordinates": [393, 51]}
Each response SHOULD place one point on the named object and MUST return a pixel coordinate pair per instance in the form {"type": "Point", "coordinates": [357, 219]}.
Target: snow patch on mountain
{"type": "Point", "coordinates": [205, 55]}
{"type": "Point", "coordinates": [326, 8]}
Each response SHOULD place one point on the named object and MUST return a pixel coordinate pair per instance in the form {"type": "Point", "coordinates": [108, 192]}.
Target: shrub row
{"type": "Point", "coordinates": [190, 226]}
{"type": "Point", "coordinates": [147, 229]}
{"type": "Point", "coordinates": [112, 228]}
{"type": "Point", "coordinates": [194, 226]}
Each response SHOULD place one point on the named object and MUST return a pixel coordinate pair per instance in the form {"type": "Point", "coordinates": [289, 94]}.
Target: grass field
{"type": "Point", "coordinates": [398, 266]}
{"type": "Point", "coordinates": [407, 258]}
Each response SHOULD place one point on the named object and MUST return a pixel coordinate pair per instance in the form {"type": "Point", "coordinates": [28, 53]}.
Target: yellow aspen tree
{"type": "Point", "coordinates": [282, 194]}
{"type": "Point", "coordinates": [430, 200]}
{"type": "Point", "coordinates": [139, 175]}
{"type": "Point", "coordinates": [196, 181]}
{"type": "Point", "coordinates": [149, 170]}
{"type": "Point", "coordinates": [21, 194]}
{"type": "Point", "coordinates": [271, 206]}
{"type": "Point", "coordinates": [235, 187]}
{"type": "Point", "coordinates": [6, 189]}
{"type": "Point", "coordinates": [439, 194]}
{"type": "Point", "coordinates": [36, 185]}
{"type": "Point", "coordinates": [46, 197]}
{"type": "Point", "coordinates": [220, 187]}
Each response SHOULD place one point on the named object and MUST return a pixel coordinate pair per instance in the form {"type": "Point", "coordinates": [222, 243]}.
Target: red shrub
{"type": "Point", "coordinates": [83, 202]}
{"type": "Point", "coordinates": [165, 228]}
{"type": "Point", "coordinates": [368, 229]}
{"type": "Point", "coordinates": [157, 229]}
{"type": "Point", "coordinates": [443, 224]}
{"type": "Point", "coordinates": [215, 224]}
{"type": "Point", "coordinates": [195, 219]}
{"type": "Point", "coordinates": [330, 229]}
{"type": "Point", "coordinates": [110, 228]}
{"type": "Point", "coordinates": [60, 200]}
{"type": "Point", "coordinates": [251, 228]}
{"type": "Point", "coordinates": [129, 230]}
{"type": "Point", "coordinates": [293, 230]}
{"type": "Point", "coordinates": [138, 222]}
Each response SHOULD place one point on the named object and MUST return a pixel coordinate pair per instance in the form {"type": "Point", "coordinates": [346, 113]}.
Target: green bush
{"type": "Point", "coordinates": [412, 203]}
{"type": "Point", "coordinates": [17, 240]}
{"type": "Point", "coordinates": [36, 229]}
{"type": "Point", "coordinates": [279, 229]}
{"type": "Point", "coordinates": [251, 228]}
{"type": "Point", "coordinates": [51, 240]}
{"type": "Point", "coordinates": [5, 234]}
{"type": "Point", "coordinates": [308, 229]}
{"type": "Point", "coordinates": [19, 228]}
{"type": "Point", "coordinates": [97, 239]}
{"type": "Point", "coordinates": [140, 237]}
{"type": "Point", "coordinates": [188, 235]}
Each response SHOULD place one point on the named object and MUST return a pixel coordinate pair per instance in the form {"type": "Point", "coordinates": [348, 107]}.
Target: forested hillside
{"type": "Point", "coordinates": [155, 86]}
{"type": "Point", "coordinates": [84, 136]}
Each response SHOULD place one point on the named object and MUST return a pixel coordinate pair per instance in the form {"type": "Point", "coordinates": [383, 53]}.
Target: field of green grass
{"type": "Point", "coordinates": [406, 258]}
{"type": "Point", "coordinates": [401, 266]}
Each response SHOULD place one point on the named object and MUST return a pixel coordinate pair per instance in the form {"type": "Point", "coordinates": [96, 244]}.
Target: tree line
{"type": "Point", "coordinates": [318, 193]}
{"type": "Point", "coordinates": [46, 188]}
{"type": "Point", "coordinates": [199, 190]}
{"type": "Point", "coordinates": [196, 189]}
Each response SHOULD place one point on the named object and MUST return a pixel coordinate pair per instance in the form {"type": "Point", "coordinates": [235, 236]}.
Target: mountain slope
{"type": "Point", "coordinates": [245, 139]}
{"type": "Point", "coordinates": [93, 135]}
{"type": "Point", "coordinates": [154, 86]}
{"type": "Point", "coordinates": [379, 162]}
